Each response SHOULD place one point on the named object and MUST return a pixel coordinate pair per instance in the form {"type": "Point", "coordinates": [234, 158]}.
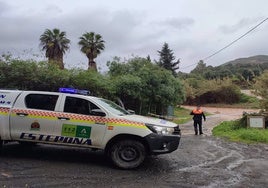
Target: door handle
{"type": "Point", "coordinates": [63, 118]}
{"type": "Point", "coordinates": [22, 114]}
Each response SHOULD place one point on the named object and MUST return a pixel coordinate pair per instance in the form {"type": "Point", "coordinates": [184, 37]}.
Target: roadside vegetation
{"type": "Point", "coordinates": [233, 131]}
{"type": "Point", "coordinates": [138, 83]}
{"type": "Point", "coordinates": [237, 130]}
{"type": "Point", "coordinates": [246, 102]}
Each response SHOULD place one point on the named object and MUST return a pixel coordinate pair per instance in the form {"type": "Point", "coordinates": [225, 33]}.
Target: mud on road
{"type": "Point", "coordinates": [200, 161]}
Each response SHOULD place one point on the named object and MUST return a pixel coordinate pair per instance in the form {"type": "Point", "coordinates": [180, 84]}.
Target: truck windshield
{"type": "Point", "coordinates": [112, 107]}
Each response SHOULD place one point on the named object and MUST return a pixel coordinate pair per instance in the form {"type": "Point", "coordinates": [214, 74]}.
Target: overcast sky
{"type": "Point", "coordinates": [193, 29]}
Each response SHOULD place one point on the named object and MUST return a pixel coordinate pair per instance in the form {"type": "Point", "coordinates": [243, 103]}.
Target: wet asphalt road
{"type": "Point", "coordinates": [200, 161]}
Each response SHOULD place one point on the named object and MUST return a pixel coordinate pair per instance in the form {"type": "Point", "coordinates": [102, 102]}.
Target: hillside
{"type": "Point", "coordinates": [247, 67]}
{"type": "Point", "coordinates": [243, 69]}
{"type": "Point", "coordinates": [259, 59]}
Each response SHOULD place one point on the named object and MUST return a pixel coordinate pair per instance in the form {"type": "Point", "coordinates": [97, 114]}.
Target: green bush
{"type": "Point", "coordinates": [261, 89]}
{"type": "Point", "coordinates": [139, 83]}
{"type": "Point", "coordinates": [212, 91]}
{"type": "Point", "coordinates": [229, 94]}
{"type": "Point", "coordinates": [145, 87]}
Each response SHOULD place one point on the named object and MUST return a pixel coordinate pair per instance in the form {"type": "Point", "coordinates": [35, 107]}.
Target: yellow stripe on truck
{"type": "Point", "coordinates": [4, 111]}
{"type": "Point", "coordinates": [125, 123]}
{"type": "Point", "coordinates": [51, 115]}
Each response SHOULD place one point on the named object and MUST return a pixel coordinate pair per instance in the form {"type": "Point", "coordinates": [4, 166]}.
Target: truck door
{"type": "Point", "coordinates": [79, 122]}
{"type": "Point", "coordinates": [33, 114]}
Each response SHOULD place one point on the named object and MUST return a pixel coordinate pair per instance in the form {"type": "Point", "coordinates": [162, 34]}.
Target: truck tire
{"type": "Point", "coordinates": [1, 143]}
{"type": "Point", "coordinates": [127, 154]}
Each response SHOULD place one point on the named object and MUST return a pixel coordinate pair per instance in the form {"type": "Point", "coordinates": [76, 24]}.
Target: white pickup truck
{"type": "Point", "coordinates": [63, 118]}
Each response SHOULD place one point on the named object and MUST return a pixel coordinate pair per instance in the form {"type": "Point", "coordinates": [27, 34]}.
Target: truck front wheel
{"type": "Point", "coordinates": [127, 154]}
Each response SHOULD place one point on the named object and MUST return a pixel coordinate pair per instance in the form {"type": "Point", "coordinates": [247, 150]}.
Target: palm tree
{"type": "Point", "coordinates": [55, 44]}
{"type": "Point", "coordinates": [91, 45]}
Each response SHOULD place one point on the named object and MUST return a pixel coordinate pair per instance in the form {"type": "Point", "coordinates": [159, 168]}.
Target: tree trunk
{"type": "Point", "coordinates": [57, 61]}
{"type": "Point", "coordinates": [92, 65]}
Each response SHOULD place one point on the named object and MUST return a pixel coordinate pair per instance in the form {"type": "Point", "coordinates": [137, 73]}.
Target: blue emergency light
{"type": "Point", "coordinates": [73, 91]}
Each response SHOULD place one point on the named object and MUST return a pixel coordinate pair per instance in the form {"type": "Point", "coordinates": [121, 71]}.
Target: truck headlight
{"type": "Point", "coordinates": [160, 130]}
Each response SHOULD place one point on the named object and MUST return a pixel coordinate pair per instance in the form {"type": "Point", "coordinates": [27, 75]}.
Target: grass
{"type": "Point", "coordinates": [181, 115]}
{"type": "Point", "coordinates": [234, 132]}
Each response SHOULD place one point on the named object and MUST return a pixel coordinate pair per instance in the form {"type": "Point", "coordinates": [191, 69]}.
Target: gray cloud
{"type": "Point", "coordinates": [131, 29]}
{"type": "Point", "coordinates": [177, 23]}
{"type": "Point", "coordinates": [4, 7]}
{"type": "Point", "coordinates": [241, 24]}
{"type": "Point", "coordinates": [53, 10]}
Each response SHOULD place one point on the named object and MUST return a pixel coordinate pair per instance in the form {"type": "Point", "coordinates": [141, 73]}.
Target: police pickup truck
{"type": "Point", "coordinates": [67, 118]}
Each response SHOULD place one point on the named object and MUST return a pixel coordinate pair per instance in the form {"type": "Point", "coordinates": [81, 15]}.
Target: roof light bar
{"type": "Point", "coordinates": [73, 91]}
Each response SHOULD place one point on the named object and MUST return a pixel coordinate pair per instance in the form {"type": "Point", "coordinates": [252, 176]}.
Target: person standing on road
{"type": "Point", "coordinates": [198, 114]}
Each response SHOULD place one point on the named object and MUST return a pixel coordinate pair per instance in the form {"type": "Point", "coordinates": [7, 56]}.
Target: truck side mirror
{"type": "Point", "coordinates": [131, 111]}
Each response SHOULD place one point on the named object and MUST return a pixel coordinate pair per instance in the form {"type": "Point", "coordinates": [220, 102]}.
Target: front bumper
{"type": "Point", "coordinates": [160, 144]}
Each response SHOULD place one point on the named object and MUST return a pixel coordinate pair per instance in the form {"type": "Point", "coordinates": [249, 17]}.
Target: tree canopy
{"type": "Point", "coordinates": [166, 59]}
{"type": "Point", "coordinates": [144, 86]}
{"type": "Point", "coordinates": [55, 44]}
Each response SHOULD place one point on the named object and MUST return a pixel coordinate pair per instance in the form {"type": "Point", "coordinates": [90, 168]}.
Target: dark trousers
{"type": "Point", "coordinates": [199, 123]}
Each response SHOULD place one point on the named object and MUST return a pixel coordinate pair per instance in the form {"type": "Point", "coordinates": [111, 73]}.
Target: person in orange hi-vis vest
{"type": "Point", "coordinates": [198, 114]}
